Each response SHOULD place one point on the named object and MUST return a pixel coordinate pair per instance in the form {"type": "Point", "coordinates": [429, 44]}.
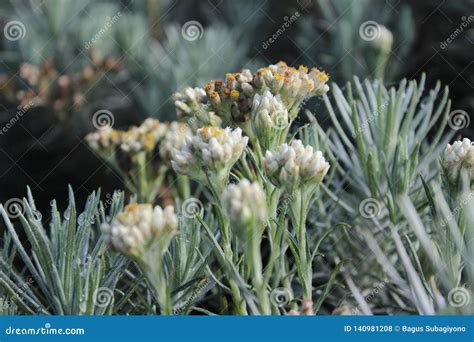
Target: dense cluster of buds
{"type": "Point", "coordinates": [245, 203]}
{"type": "Point", "coordinates": [138, 226]}
{"type": "Point", "coordinates": [293, 85]}
{"type": "Point", "coordinates": [459, 155]}
{"type": "Point", "coordinates": [270, 119]}
{"type": "Point", "coordinates": [142, 138]}
{"type": "Point", "coordinates": [294, 165]}
{"type": "Point", "coordinates": [192, 107]}
{"type": "Point", "coordinates": [189, 101]}
{"type": "Point", "coordinates": [104, 141]}
{"type": "Point", "coordinates": [211, 149]}
{"type": "Point", "coordinates": [175, 137]}
{"type": "Point", "coordinates": [139, 138]}
{"type": "Point", "coordinates": [232, 99]}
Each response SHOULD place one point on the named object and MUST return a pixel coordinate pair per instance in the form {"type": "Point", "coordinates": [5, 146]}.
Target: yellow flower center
{"type": "Point", "coordinates": [210, 132]}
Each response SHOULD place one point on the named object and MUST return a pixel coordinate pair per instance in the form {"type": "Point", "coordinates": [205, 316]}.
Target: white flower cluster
{"type": "Point", "coordinates": [212, 148]}
{"type": "Point", "coordinates": [188, 100]}
{"type": "Point", "coordinates": [192, 106]}
{"type": "Point", "coordinates": [136, 139]}
{"type": "Point", "coordinates": [245, 203]}
{"type": "Point", "coordinates": [293, 166]}
{"type": "Point", "coordinates": [270, 119]}
{"type": "Point", "coordinates": [294, 85]}
{"type": "Point", "coordinates": [175, 137]}
{"type": "Point", "coordinates": [459, 155]}
{"type": "Point", "coordinates": [137, 225]}
{"type": "Point", "coordinates": [105, 139]}
{"type": "Point", "coordinates": [144, 137]}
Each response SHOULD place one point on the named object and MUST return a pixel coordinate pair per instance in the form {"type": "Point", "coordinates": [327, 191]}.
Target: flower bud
{"type": "Point", "coordinates": [135, 229]}
{"type": "Point", "coordinates": [294, 166]}
{"type": "Point", "coordinates": [459, 155]}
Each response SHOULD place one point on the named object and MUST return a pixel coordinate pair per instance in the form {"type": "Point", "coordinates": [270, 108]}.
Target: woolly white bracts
{"type": "Point", "coordinates": [175, 137]}
{"type": "Point", "coordinates": [144, 137]}
{"type": "Point", "coordinates": [459, 155]}
{"type": "Point", "coordinates": [139, 224]}
{"type": "Point", "coordinates": [269, 112]}
{"type": "Point", "coordinates": [212, 148]}
{"type": "Point", "coordinates": [245, 203]}
{"type": "Point", "coordinates": [188, 100]}
{"type": "Point", "coordinates": [104, 139]}
{"type": "Point", "coordinates": [293, 166]}
{"type": "Point", "coordinates": [294, 85]}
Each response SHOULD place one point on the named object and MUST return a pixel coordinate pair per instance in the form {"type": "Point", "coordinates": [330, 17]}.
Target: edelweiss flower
{"type": "Point", "coordinates": [245, 203]}
{"type": "Point", "coordinates": [293, 85]}
{"type": "Point", "coordinates": [232, 99]}
{"type": "Point", "coordinates": [459, 155]}
{"type": "Point", "coordinates": [188, 100]}
{"type": "Point", "coordinates": [175, 137]}
{"type": "Point", "coordinates": [269, 118]}
{"type": "Point", "coordinates": [191, 106]}
{"type": "Point", "coordinates": [144, 137]}
{"type": "Point", "coordinates": [104, 141]}
{"type": "Point", "coordinates": [212, 149]}
{"type": "Point", "coordinates": [138, 225]}
{"type": "Point", "coordinates": [294, 166]}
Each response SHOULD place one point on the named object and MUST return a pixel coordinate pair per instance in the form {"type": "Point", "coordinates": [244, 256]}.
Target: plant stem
{"type": "Point", "coordinates": [305, 264]}
{"type": "Point", "coordinates": [255, 263]}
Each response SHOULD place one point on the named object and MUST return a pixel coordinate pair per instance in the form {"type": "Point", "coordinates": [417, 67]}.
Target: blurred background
{"type": "Point", "coordinates": [61, 61]}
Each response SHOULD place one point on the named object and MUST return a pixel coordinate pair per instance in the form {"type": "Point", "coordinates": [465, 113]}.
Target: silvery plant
{"type": "Point", "coordinates": [240, 208]}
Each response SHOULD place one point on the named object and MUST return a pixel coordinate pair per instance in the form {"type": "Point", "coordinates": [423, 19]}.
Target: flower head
{"type": "Point", "coordinates": [188, 100]}
{"type": "Point", "coordinates": [211, 149]}
{"type": "Point", "coordinates": [232, 98]}
{"type": "Point", "coordinates": [105, 140]}
{"type": "Point", "coordinates": [192, 106]}
{"type": "Point", "coordinates": [175, 137]}
{"type": "Point", "coordinates": [138, 226]}
{"type": "Point", "coordinates": [294, 166]}
{"type": "Point", "coordinates": [459, 155]}
{"type": "Point", "coordinates": [293, 85]}
{"type": "Point", "coordinates": [245, 203]}
{"type": "Point", "coordinates": [144, 137]}
{"type": "Point", "coordinates": [270, 119]}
